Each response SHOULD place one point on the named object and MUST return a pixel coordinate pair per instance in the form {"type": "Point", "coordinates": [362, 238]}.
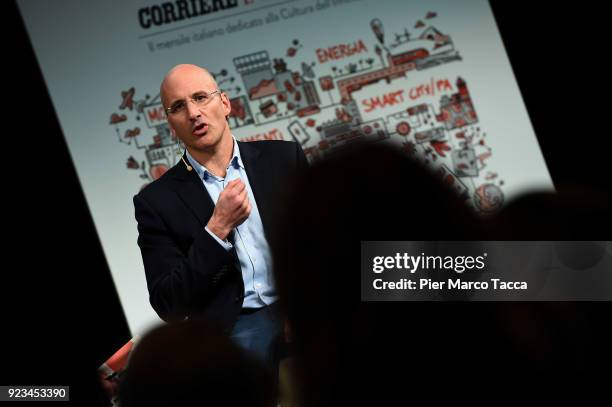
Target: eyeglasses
{"type": "Point", "coordinates": [199, 99]}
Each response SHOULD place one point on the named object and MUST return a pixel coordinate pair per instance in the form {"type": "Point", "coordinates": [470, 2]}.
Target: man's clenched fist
{"type": "Point", "coordinates": [233, 207]}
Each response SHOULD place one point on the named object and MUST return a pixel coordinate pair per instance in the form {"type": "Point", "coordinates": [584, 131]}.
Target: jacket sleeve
{"type": "Point", "coordinates": [178, 282]}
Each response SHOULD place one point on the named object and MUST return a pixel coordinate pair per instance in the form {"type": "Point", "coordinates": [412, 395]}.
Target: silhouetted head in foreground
{"type": "Point", "coordinates": [193, 364]}
{"type": "Point", "coordinates": [370, 192]}
{"type": "Point", "coordinates": [381, 352]}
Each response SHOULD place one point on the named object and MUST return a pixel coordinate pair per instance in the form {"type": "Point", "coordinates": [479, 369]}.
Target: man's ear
{"type": "Point", "coordinates": [227, 105]}
{"type": "Point", "coordinates": [172, 131]}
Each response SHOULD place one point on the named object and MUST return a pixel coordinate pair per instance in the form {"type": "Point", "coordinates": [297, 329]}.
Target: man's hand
{"type": "Point", "coordinates": [233, 207]}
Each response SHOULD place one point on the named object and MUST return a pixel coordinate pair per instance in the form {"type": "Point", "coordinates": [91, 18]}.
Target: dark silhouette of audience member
{"type": "Point", "coordinates": [193, 363]}
{"type": "Point", "coordinates": [379, 353]}
{"type": "Point", "coordinates": [343, 347]}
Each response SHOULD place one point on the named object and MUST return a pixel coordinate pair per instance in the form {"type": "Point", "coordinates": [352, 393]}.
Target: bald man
{"type": "Point", "coordinates": [202, 225]}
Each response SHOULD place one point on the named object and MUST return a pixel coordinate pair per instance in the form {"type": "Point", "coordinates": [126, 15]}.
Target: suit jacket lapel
{"type": "Point", "coordinates": [259, 177]}
{"type": "Point", "coordinates": [189, 187]}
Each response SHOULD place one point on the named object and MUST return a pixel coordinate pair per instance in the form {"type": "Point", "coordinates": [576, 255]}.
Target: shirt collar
{"type": "Point", "coordinates": [204, 173]}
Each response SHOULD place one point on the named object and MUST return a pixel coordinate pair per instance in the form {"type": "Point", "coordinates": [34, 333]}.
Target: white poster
{"type": "Point", "coordinates": [430, 76]}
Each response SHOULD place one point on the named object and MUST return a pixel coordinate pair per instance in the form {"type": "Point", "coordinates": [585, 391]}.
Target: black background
{"type": "Point", "coordinates": [62, 316]}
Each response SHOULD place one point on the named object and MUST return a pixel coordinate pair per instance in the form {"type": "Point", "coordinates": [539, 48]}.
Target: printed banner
{"type": "Point", "coordinates": [431, 77]}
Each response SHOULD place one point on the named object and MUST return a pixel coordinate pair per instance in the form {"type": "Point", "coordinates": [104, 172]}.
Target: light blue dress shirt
{"type": "Point", "coordinates": [250, 241]}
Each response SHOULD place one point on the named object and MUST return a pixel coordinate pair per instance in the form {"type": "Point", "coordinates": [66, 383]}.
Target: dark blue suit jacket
{"type": "Point", "coordinates": [188, 273]}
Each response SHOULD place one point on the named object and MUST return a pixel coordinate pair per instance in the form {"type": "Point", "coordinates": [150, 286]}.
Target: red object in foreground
{"type": "Point", "coordinates": [110, 370]}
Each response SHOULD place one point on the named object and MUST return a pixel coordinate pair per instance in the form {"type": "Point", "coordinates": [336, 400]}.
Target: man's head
{"type": "Point", "coordinates": [196, 114]}
{"type": "Point", "coordinates": [193, 363]}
